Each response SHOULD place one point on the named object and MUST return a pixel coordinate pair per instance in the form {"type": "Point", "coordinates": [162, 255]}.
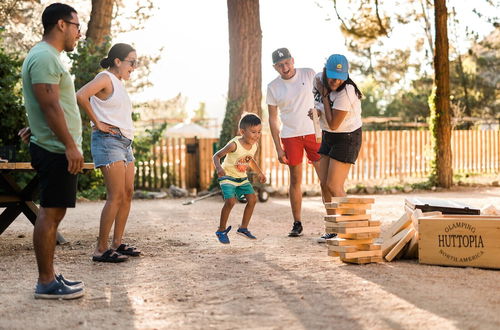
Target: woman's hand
{"type": "Point", "coordinates": [25, 134]}
{"type": "Point", "coordinates": [262, 178]}
{"type": "Point", "coordinates": [103, 127]}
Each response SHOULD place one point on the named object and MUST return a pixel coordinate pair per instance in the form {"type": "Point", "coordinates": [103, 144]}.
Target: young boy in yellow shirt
{"type": "Point", "coordinates": [232, 173]}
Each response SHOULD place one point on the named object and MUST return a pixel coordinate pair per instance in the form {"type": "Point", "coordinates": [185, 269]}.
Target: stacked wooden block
{"type": "Point", "coordinates": [400, 241]}
{"type": "Point", "coordinates": [356, 231]}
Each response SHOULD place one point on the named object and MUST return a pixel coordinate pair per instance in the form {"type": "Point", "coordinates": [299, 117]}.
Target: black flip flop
{"type": "Point", "coordinates": [128, 250]}
{"type": "Point", "coordinates": [109, 256]}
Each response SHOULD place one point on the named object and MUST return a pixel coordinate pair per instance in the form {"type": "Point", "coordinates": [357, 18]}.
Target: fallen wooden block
{"type": "Point", "coordinates": [344, 211]}
{"type": "Point", "coordinates": [347, 224]}
{"type": "Point", "coordinates": [412, 252]}
{"type": "Point", "coordinates": [345, 242]}
{"type": "Point", "coordinates": [402, 223]}
{"type": "Point", "coordinates": [356, 200]}
{"type": "Point", "coordinates": [363, 260]}
{"type": "Point", "coordinates": [369, 247]}
{"type": "Point", "coordinates": [356, 236]}
{"type": "Point", "coordinates": [342, 205]}
{"type": "Point", "coordinates": [388, 244]}
{"type": "Point", "coordinates": [343, 218]}
{"type": "Point", "coordinates": [342, 248]}
{"type": "Point", "coordinates": [360, 254]}
{"type": "Point", "coordinates": [356, 230]}
{"type": "Point", "coordinates": [400, 245]}
{"type": "Point", "coordinates": [333, 253]}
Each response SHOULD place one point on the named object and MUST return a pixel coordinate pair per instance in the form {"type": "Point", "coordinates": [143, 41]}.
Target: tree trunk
{"type": "Point", "coordinates": [100, 21]}
{"type": "Point", "coordinates": [245, 68]}
{"type": "Point", "coordinates": [442, 127]}
{"type": "Point", "coordinates": [245, 52]}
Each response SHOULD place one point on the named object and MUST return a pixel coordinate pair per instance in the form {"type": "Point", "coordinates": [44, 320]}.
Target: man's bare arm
{"type": "Point", "coordinates": [47, 96]}
{"type": "Point", "coordinates": [275, 132]}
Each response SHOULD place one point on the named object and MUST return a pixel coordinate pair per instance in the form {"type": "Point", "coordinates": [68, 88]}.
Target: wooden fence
{"type": "Point", "coordinates": [187, 163]}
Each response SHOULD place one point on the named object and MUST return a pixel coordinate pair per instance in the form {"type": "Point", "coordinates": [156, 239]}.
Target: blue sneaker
{"type": "Point", "coordinates": [245, 232]}
{"type": "Point", "coordinates": [74, 284]}
{"type": "Point", "coordinates": [57, 290]}
{"type": "Point", "coordinates": [222, 235]}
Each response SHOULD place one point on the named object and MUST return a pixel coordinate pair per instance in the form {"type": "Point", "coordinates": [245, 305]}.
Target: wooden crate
{"type": "Point", "coordinates": [460, 240]}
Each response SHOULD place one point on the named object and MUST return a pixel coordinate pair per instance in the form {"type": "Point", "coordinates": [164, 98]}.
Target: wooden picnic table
{"type": "Point", "coordinates": [17, 200]}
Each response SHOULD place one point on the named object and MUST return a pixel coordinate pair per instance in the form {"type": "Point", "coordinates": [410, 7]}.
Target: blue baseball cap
{"type": "Point", "coordinates": [337, 67]}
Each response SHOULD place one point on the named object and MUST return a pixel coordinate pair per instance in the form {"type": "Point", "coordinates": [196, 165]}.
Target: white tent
{"type": "Point", "coordinates": [189, 130]}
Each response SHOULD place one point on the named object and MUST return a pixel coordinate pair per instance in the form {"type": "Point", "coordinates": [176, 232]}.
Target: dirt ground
{"type": "Point", "coordinates": [187, 280]}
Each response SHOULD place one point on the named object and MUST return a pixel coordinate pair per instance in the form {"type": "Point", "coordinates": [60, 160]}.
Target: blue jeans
{"type": "Point", "coordinates": [108, 148]}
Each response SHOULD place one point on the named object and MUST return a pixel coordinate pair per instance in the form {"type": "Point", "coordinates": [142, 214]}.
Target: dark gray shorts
{"type": "Point", "coordinates": [57, 185]}
{"type": "Point", "coordinates": [343, 147]}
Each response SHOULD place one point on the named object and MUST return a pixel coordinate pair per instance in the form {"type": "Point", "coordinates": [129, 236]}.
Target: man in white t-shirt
{"type": "Point", "coordinates": [290, 94]}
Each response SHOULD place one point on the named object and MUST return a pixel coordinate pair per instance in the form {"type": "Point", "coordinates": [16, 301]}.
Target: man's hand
{"type": "Point", "coordinates": [25, 134]}
{"type": "Point", "coordinates": [318, 84]}
{"type": "Point", "coordinates": [262, 178]}
{"type": "Point", "coordinates": [282, 156]}
{"type": "Point", "coordinates": [310, 114]}
{"type": "Point", "coordinates": [75, 160]}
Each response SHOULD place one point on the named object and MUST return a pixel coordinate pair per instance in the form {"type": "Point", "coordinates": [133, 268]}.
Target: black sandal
{"type": "Point", "coordinates": [128, 250]}
{"type": "Point", "coordinates": [110, 256]}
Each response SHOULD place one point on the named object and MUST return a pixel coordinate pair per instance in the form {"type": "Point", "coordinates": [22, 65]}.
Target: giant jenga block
{"type": "Point", "coordinates": [348, 218]}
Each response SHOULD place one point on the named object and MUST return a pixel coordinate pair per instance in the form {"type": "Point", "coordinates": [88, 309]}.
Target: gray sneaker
{"type": "Point", "coordinates": [57, 290]}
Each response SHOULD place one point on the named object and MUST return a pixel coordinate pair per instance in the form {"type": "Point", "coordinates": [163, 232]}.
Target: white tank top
{"type": "Point", "coordinates": [116, 110]}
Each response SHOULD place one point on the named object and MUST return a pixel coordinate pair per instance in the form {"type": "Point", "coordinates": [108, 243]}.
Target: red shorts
{"type": "Point", "coordinates": [294, 149]}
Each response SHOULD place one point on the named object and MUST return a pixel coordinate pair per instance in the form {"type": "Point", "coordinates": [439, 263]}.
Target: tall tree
{"type": "Point", "coordinates": [99, 26]}
{"type": "Point", "coordinates": [245, 52]}
{"type": "Point", "coordinates": [440, 116]}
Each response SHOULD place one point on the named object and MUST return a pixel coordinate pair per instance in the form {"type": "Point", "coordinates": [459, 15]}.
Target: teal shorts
{"type": "Point", "coordinates": [235, 187]}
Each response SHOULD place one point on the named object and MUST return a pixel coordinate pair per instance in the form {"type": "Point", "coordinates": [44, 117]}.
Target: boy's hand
{"type": "Point", "coordinates": [262, 178]}
{"type": "Point", "coordinates": [221, 172]}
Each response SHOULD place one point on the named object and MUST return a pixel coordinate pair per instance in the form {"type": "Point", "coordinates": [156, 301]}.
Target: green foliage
{"type": "Point", "coordinates": [474, 80]}
{"type": "Point", "coordinates": [11, 103]}
{"type": "Point", "coordinates": [229, 127]}
{"type": "Point", "coordinates": [230, 123]}
{"type": "Point", "coordinates": [433, 119]}
{"type": "Point", "coordinates": [412, 104]}
{"type": "Point", "coordinates": [142, 144]}
{"type": "Point", "coordinates": [95, 190]}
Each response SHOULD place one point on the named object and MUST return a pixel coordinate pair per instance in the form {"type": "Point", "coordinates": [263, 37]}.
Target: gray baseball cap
{"type": "Point", "coordinates": [281, 54]}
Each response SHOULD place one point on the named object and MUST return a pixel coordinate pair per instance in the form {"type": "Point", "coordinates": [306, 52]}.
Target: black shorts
{"type": "Point", "coordinates": [57, 185]}
{"type": "Point", "coordinates": [343, 147]}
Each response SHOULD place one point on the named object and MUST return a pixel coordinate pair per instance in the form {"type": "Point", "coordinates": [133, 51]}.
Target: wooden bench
{"type": "Point", "coordinates": [17, 200]}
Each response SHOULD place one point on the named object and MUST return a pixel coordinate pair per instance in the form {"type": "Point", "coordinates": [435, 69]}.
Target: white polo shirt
{"type": "Point", "coordinates": [294, 98]}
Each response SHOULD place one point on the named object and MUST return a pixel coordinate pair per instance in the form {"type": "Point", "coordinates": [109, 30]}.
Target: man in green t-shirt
{"type": "Point", "coordinates": [55, 143]}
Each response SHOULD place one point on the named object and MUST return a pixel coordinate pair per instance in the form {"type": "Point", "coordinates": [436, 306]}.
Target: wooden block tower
{"type": "Point", "coordinates": [356, 231]}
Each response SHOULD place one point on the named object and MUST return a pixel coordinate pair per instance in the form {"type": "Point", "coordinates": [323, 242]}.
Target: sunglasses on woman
{"type": "Point", "coordinates": [133, 63]}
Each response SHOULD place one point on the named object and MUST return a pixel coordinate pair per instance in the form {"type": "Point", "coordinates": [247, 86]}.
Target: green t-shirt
{"type": "Point", "coordinates": [43, 66]}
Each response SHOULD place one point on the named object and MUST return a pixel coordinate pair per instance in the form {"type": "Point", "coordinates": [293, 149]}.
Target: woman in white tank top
{"type": "Point", "coordinates": [108, 106]}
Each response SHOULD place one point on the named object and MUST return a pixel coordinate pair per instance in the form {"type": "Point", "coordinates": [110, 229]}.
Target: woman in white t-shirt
{"type": "Point", "coordinates": [338, 100]}
{"type": "Point", "coordinates": [108, 106]}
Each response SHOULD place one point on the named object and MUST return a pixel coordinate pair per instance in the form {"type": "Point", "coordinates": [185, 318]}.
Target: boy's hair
{"type": "Point", "coordinates": [249, 120]}
{"type": "Point", "coordinates": [53, 13]}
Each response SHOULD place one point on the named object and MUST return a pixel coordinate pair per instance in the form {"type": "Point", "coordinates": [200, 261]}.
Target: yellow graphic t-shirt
{"type": "Point", "coordinates": [236, 163]}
